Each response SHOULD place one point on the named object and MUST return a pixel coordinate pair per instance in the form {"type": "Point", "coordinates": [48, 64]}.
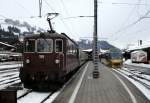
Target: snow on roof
{"type": "Point", "coordinates": [87, 50]}
{"type": "Point", "coordinates": [139, 47]}
{"type": "Point", "coordinates": [138, 51]}
{"type": "Point", "coordinates": [145, 44]}
{"type": "Point", "coordinates": [103, 51]}
{"type": "Point", "coordinates": [7, 45]}
{"type": "Point", "coordinates": [5, 27]}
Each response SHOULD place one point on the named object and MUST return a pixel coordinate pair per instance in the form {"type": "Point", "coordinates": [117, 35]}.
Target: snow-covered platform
{"type": "Point", "coordinates": [111, 87]}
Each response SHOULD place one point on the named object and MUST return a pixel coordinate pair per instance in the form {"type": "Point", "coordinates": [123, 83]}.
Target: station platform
{"type": "Point", "coordinates": [110, 87]}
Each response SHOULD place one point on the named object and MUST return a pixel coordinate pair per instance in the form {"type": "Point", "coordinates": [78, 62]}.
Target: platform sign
{"type": "Point", "coordinates": [8, 96]}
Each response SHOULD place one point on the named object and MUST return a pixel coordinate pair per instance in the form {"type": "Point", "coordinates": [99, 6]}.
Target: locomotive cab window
{"type": "Point", "coordinates": [30, 46]}
{"type": "Point", "coordinates": [58, 45]}
{"type": "Point", "coordinates": [44, 45]}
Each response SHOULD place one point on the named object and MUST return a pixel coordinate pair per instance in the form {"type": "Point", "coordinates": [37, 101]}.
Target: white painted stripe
{"type": "Point", "coordinates": [73, 96]}
{"type": "Point", "coordinates": [126, 88]}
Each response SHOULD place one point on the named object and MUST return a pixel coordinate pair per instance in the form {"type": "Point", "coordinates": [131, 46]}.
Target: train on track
{"type": "Point", "coordinates": [139, 56]}
{"type": "Point", "coordinates": [112, 59]}
{"type": "Point", "coordinates": [49, 59]}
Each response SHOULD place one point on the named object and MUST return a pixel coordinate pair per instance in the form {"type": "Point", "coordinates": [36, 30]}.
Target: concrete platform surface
{"type": "Point", "coordinates": [109, 88]}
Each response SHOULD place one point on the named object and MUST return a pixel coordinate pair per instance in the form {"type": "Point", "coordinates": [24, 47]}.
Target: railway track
{"type": "Point", "coordinates": [138, 74]}
{"type": "Point", "coordinates": [9, 79]}
{"type": "Point", "coordinates": [137, 77]}
{"type": "Point", "coordinates": [143, 70]}
{"type": "Point", "coordinates": [29, 95]}
{"type": "Point", "coordinates": [23, 94]}
{"type": "Point", "coordinates": [44, 97]}
{"type": "Point", "coordinates": [9, 71]}
{"type": "Point", "coordinates": [8, 76]}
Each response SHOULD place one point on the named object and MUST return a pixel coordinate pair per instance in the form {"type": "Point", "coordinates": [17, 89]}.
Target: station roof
{"type": "Point", "coordinates": [87, 50]}
{"type": "Point", "coordinates": [138, 47]}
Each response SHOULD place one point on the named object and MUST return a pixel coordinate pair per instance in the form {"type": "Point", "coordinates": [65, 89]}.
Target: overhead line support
{"type": "Point", "coordinates": [95, 48]}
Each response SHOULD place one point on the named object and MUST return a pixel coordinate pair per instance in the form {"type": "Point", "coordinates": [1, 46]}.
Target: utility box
{"type": "Point", "coordinates": [8, 96]}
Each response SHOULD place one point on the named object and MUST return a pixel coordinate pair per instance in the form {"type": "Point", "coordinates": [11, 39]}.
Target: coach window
{"type": "Point", "coordinates": [58, 45]}
{"type": "Point", "coordinates": [44, 45]}
{"type": "Point", "coordinates": [30, 46]}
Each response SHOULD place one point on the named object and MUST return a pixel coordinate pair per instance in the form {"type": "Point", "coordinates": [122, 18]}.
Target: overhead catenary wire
{"type": "Point", "coordinates": [60, 17]}
{"type": "Point", "coordinates": [125, 21]}
{"type": "Point", "coordinates": [135, 22]}
{"type": "Point", "coordinates": [19, 4]}
{"type": "Point", "coordinates": [125, 3]}
{"type": "Point", "coordinates": [131, 24]}
{"type": "Point", "coordinates": [131, 4]}
{"type": "Point", "coordinates": [65, 8]}
{"type": "Point", "coordinates": [3, 16]}
{"type": "Point", "coordinates": [49, 6]}
{"type": "Point", "coordinates": [138, 8]}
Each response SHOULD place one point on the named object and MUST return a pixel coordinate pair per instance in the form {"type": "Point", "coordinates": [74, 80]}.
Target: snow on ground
{"type": "Point", "coordinates": [8, 74]}
{"type": "Point", "coordinates": [142, 88]}
{"type": "Point", "coordinates": [33, 97]}
{"type": "Point", "coordinates": [8, 84]}
{"type": "Point", "coordinates": [10, 66]}
{"type": "Point", "coordinates": [21, 92]}
{"type": "Point", "coordinates": [135, 76]}
{"type": "Point", "coordinates": [137, 64]}
{"type": "Point", "coordinates": [8, 77]}
{"type": "Point", "coordinates": [138, 73]}
{"type": "Point", "coordinates": [52, 98]}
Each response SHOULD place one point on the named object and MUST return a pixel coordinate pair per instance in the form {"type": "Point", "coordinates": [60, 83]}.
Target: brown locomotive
{"type": "Point", "coordinates": [48, 58]}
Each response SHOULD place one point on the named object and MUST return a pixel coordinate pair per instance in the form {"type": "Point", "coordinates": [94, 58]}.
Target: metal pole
{"type": "Point", "coordinates": [95, 54]}
{"type": "Point", "coordinates": [40, 7]}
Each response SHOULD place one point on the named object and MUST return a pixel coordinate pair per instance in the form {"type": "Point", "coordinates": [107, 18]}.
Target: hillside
{"type": "Point", "coordinates": [86, 44]}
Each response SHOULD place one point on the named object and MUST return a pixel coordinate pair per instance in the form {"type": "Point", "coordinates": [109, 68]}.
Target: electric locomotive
{"type": "Point", "coordinates": [48, 58]}
{"type": "Point", "coordinates": [112, 59]}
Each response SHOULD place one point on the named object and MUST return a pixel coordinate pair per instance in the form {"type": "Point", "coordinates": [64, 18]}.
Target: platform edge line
{"type": "Point", "coordinates": [73, 96]}
{"type": "Point", "coordinates": [126, 88]}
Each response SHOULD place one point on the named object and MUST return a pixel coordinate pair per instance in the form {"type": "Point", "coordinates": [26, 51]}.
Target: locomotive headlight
{"type": "Point", "coordinates": [57, 61]}
{"type": "Point", "coordinates": [27, 61]}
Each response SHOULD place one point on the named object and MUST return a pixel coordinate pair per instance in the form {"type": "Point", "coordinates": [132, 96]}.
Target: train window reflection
{"type": "Point", "coordinates": [44, 45]}
{"type": "Point", "coordinates": [59, 45]}
{"type": "Point", "coordinates": [30, 46]}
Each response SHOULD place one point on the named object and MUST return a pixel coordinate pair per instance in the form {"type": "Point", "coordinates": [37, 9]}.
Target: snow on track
{"type": "Point", "coordinates": [33, 97]}
{"type": "Point", "coordinates": [141, 87]}
{"type": "Point", "coordinates": [10, 66]}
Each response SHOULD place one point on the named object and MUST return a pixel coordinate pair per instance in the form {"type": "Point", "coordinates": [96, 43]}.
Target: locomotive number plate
{"type": "Point", "coordinates": [41, 56]}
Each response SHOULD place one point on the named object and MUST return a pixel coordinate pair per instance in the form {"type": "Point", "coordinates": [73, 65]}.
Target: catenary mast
{"type": "Point", "coordinates": [40, 8]}
{"type": "Point", "coordinates": [95, 48]}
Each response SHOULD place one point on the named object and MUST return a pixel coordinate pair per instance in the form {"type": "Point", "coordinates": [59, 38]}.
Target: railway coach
{"type": "Point", "coordinates": [139, 56]}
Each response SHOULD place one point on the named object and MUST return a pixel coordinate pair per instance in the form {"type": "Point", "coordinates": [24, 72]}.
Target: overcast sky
{"type": "Point", "coordinates": [118, 20]}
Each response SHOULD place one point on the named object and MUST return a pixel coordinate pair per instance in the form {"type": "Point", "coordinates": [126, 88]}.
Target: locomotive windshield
{"type": "Point", "coordinates": [30, 46]}
{"type": "Point", "coordinates": [116, 55]}
{"type": "Point", "coordinates": [44, 45]}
